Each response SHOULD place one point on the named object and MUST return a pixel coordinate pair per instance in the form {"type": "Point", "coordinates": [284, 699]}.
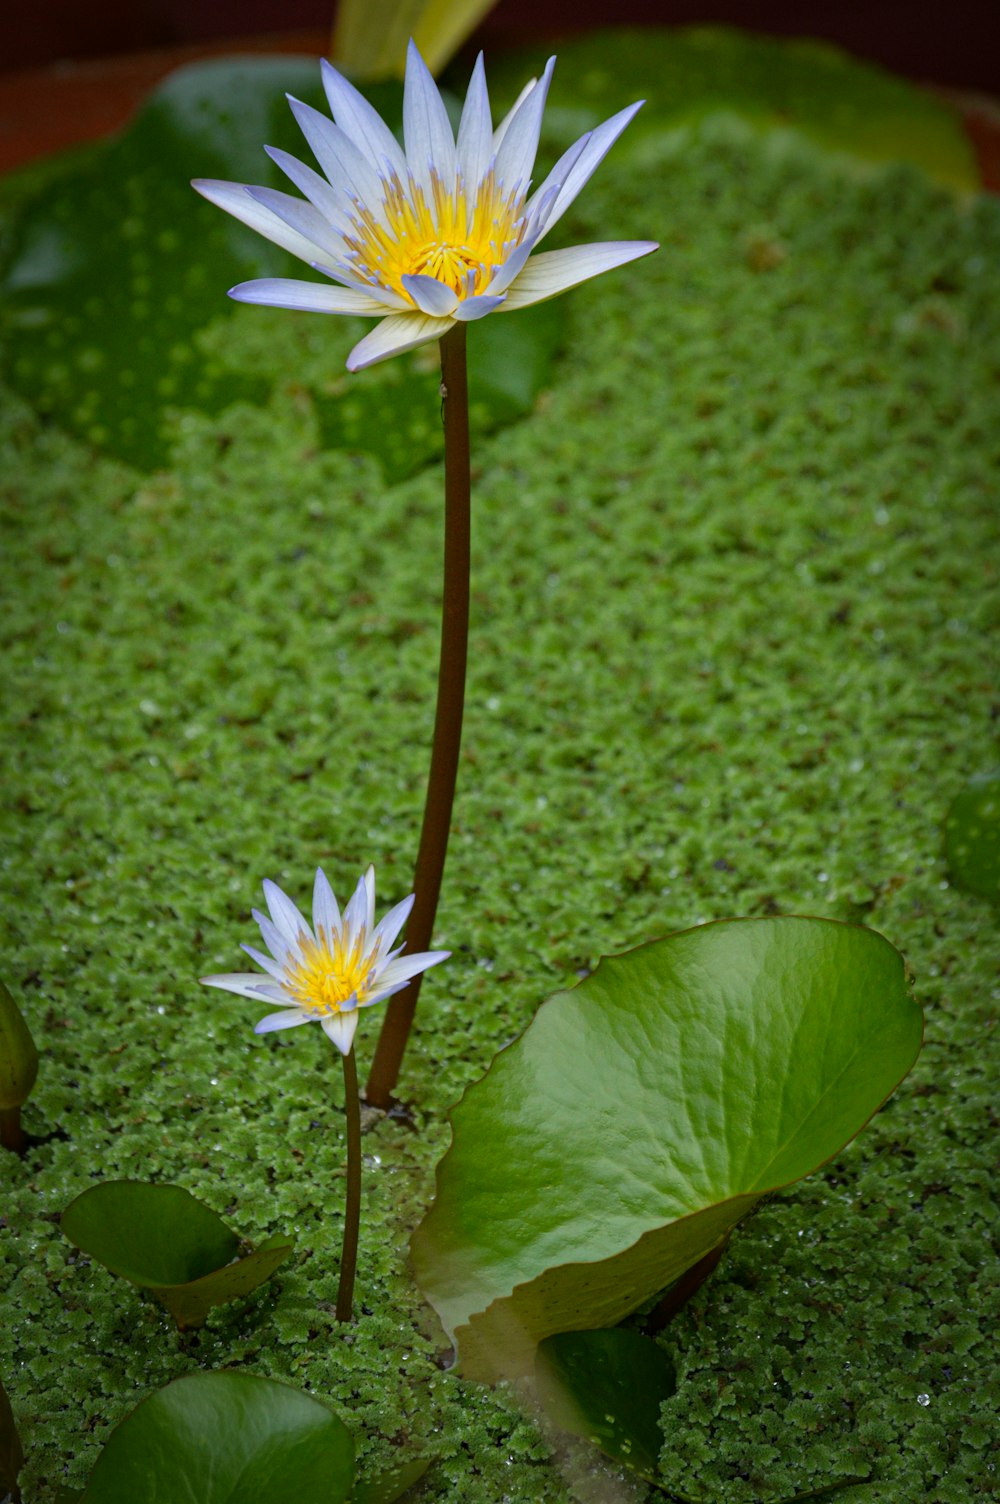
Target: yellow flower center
{"type": "Point", "coordinates": [458, 242]}
{"type": "Point", "coordinates": [327, 976]}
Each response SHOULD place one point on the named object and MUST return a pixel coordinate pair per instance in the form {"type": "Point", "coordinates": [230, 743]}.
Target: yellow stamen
{"type": "Point", "coordinates": [327, 976]}
{"type": "Point", "coordinates": [458, 242]}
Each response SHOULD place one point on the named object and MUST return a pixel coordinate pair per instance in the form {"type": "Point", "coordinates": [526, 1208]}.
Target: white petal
{"type": "Point", "coordinates": [275, 940]}
{"type": "Point", "coordinates": [574, 175]}
{"type": "Point", "coordinates": [312, 297]}
{"type": "Point", "coordinates": [347, 168]}
{"type": "Point", "coordinates": [475, 132]}
{"type": "Point", "coordinates": [516, 155]}
{"type": "Point", "coordinates": [290, 1018]}
{"type": "Point", "coordinates": [538, 213]}
{"type": "Point", "coordinates": [243, 983]}
{"type": "Point", "coordinates": [390, 926]}
{"type": "Point", "coordinates": [362, 123]}
{"type": "Point", "coordinates": [369, 882]}
{"type": "Point", "coordinates": [273, 968]}
{"type": "Point", "coordinates": [504, 125]}
{"type": "Point", "coordinates": [426, 127]}
{"type": "Point", "coordinates": [326, 911]}
{"type": "Point", "coordinates": [342, 273]}
{"type": "Point", "coordinates": [302, 217]}
{"type": "Point", "coordinates": [333, 206]}
{"type": "Point", "coordinates": [430, 295]}
{"type": "Point", "coordinates": [356, 913]}
{"type": "Point", "coordinates": [341, 1028]}
{"type": "Point", "coordinates": [236, 199]}
{"type": "Point", "coordinates": [400, 971]}
{"type": "Point", "coordinates": [399, 332]}
{"type": "Point", "coordinates": [478, 307]}
{"type": "Point", "coordinates": [553, 271]}
{"type": "Point", "coordinates": [285, 915]}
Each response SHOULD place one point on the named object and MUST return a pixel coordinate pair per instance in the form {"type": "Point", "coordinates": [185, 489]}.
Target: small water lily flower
{"type": "Point", "coordinates": [431, 236]}
{"type": "Point", "coordinates": [323, 974]}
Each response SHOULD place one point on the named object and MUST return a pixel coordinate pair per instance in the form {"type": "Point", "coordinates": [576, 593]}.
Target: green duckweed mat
{"type": "Point", "coordinates": [733, 651]}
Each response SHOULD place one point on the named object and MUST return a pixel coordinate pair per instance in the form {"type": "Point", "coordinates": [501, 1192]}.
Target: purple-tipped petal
{"type": "Point", "coordinates": [290, 1018]}
{"type": "Point", "coordinates": [554, 271]}
{"type": "Point", "coordinates": [285, 915]}
{"type": "Point", "coordinates": [309, 297]}
{"type": "Point", "coordinates": [243, 983]}
{"type": "Point", "coordinates": [426, 127]}
{"type": "Point", "coordinates": [362, 123]}
{"type": "Point", "coordinates": [575, 167]}
{"type": "Point", "coordinates": [517, 151]}
{"type": "Point", "coordinates": [236, 199]}
{"type": "Point", "coordinates": [431, 296]}
{"type": "Point", "coordinates": [474, 147]}
{"type": "Point", "coordinates": [478, 307]}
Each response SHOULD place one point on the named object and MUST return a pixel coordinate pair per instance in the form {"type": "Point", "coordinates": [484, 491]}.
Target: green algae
{"type": "Point", "coordinates": [734, 585]}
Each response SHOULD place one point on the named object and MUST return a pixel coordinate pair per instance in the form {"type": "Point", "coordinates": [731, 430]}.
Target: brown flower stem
{"type": "Point", "coordinates": [398, 1019]}
{"type": "Point", "coordinates": [681, 1290]}
{"type": "Point", "coordinates": [11, 1133]}
{"type": "Point", "coordinates": [352, 1208]}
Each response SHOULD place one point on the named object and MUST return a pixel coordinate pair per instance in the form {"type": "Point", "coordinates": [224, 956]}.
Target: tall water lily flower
{"type": "Point", "coordinates": [326, 972]}
{"type": "Point", "coordinates": [435, 235]}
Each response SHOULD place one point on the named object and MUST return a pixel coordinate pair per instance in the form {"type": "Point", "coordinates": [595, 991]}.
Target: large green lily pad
{"type": "Point", "coordinates": [225, 1438]}
{"type": "Point", "coordinates": [165, 1240]}
{"type": "Point", "coordinates": [643, 1114]}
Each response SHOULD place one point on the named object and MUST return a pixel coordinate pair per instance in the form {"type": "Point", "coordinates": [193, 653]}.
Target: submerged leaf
{"type": "Point", "coordinates": [608, 1386]}
{"type": "Point", "coordinates": [11, 1451]}
{"type": "Point", "coordinates": [643, 1114]}
{"type": "Point", "coordinates": [392, 1485]}
{"type": "Point", "coordinates": [972, 837]}
{"type": "Point", "coordinates": [219, 1438]}
{"type": "Point", "coordinates": [165, 1240]}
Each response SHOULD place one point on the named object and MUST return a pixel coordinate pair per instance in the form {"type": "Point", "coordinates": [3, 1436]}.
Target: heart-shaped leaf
{"type": "Point", "coordinates": [608, 1386]}
{"type": "Point", "coordinates": [11, 1452]}
{"type": "Point", "coordinates": [163, 1239]}
{"type": "Point", "coordinates": [643, 1114]}
{"type": "Point", "coordinates": [972, 836]}
{"type": "Point", "coordinates": [225, 1438]}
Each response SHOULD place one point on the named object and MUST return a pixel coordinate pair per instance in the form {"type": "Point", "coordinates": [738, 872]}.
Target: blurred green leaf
{"type": "Point", "coordinates": [608, 1386]}
{"type": "Point", "coordinates": [225, 1438]}
{"type": "Point", "coordinates": [685, 75]}
{"type": "Point", "coordinates": [972, 836]}
{"type": "Point", "coordinates": [163, 1239]}
{"type": "Point", "coordinates": [642, 1115]}
{"type": "Point", "coordinates": [18, 1054]}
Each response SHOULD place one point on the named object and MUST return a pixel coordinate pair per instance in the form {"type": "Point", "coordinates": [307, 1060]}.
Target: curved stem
{"type": "Point", "coordinates": [352, 1209]}
{"type": "Point", "coordinates": [681, 1290]}
{"type": "Point", "coordinates": [398, 1019]}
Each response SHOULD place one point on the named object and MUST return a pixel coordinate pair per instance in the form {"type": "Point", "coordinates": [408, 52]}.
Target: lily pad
{"type": "Point", "coordinates": [972, 836]}
{"type": "Point", "coordinates": [225, 1438]}
{"type": "Point", "coordinates": [165, 1240]}
{"type": "Point", "coordinates": [839, 103]}
{"type": "Point", "coordinates": [643, 1114]}
{"type": "Point", "coordinates": [608, 1386]}
{"type": "Point", "coordinates": [113, 287]}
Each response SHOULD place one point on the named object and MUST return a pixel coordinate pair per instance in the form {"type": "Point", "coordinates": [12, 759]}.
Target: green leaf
{"type": "Point", "coordinates": [18, 1054]}
{"type": "Point", "coordinates": [972, 836]}
{"type": "Point", "coordinates": [163, 1239]}
{"type": "Point", "coordinates": [11, 1452]}
{"type": "Point", "coordinates": [643, 1114]}
{"type": "Point", "coordinates": [225, 1438]}
{"type": "Point", "coordinates": [392, 1485]}
{"type": "Point", "coordinates": [685, 75]}
{"type": "Point", "coordinates": [608, 1386]}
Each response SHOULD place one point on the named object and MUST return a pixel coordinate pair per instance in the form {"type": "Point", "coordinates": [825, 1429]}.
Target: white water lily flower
{"type": "Point", "coordinates": [324, 974]}
{"type": "Point", "coordinates": [435, 235]}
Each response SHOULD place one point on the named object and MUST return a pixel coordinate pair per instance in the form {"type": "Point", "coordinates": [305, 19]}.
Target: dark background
{"type": "Point", "coordinates": [955, 44]}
